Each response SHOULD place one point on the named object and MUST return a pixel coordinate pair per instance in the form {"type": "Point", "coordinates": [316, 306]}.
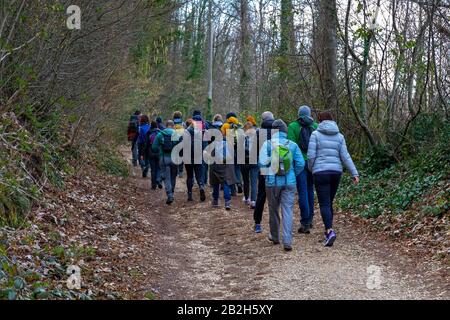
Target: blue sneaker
{"type": "Point", "coordinates": [330, 238]}
{"type": "Point", "coordinates": [258, 228]}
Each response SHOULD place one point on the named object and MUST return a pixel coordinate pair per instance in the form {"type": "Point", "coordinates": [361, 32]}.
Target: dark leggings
{"type": "Point", "coordinates": [326, 188]}
{"type": "Point", "coordinates": [260, 199]}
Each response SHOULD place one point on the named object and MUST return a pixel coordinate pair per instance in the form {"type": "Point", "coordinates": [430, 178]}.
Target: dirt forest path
{"type": "Point", "coordinates": [208, 253]}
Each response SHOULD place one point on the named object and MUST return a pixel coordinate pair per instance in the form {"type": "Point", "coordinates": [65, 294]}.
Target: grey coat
{"type": "Point", "coordinates": [327, 150]}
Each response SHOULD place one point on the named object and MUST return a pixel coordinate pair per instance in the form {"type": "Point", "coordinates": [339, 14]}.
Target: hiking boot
{"type": "Point", "coordinates": [202, 195]}
{"type": "Point", "coordinates": [275, 243]}
{"type": "Point", "coordinates": [160, 186]}
{"type": "Point", "coordinates": [154, 188]}
{"type": "Point", "coordinates": [215, 203]}
{"type": "Point", "coordinates": [253, 205]}
{"type": "Point", "coordinates": [287, 248]}
{"type": "Point", "coordinates": [169, 201]}
{"type": "Point", "coordinates": [330, 239]}
{"type": "Point", "coordinates": [240, 190]}
{"type": "Point", "coordinates": [190, 198]}
{"type": "Point", "coordinates": [258, 228]}
{"type": "Point", "coordinates": [228, 205]}
{"type": "Point", "coordinates": [304, 230]}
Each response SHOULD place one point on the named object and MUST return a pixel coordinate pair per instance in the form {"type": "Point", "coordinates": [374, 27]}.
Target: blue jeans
{"type": "Point", "coordinates": [194, 170]}
{"type": "Point", "coordinates": [226, 192]}
{"type": "Point", "coordinates": [169, 172]}
{"type": "Point", "coordinates": [205, 173]}
{"type": "Point", "coordinates": [305, 188]}
{"type": "Point", "coordinates": [284, 197]}
{"type": "Point", "coordinates": [155, 171]}
{"type": "Point", "coordinates": [250, 178]}
{"type": "Point", "coordinates": [326, 187]}
{"type": "Point", "coordinates": [145, 165]}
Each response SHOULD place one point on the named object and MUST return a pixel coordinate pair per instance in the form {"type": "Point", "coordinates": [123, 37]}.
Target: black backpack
{"type": "Point", "coordinates": [305, 136]}
{"type": "Point", "coordinates": [306, 130]}
{"type": "Point", "coordinates": [168, 144]}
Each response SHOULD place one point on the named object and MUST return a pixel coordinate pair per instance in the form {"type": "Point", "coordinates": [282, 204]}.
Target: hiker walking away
{"type": "Point", "coordinates": [266, 125]}
{"type": "Point", "coordinates": [250, 170]}
{"type": "Point", "coordinates": [234, 125]}
{"type": "Point", "coordinates": [195, 167]}
{"type": "Point", "coordinates": [217, 122]}
{"type": "Point", "coordinates": [200, 125]}
{"type": "Point", "coordinates": [153, 156]}
{"type": "Point", "coordinates": [282, 162]}
{"type": "Point", "coordinates": [327, 153]}
{"type": "Point", "coordinates": [133, 133]}
{"type": "Point", "coordinates": [180, 126]}
{"type": "Point", "coordinates": [300, 132]}
{"type": "Point", "coordinates": [144, 127]}
{"type": "Point", "coordinates": [159, 120]}
{"type": "Point", "coordinates": [165, 143]}
{"type": "Point", "coordinates": [222, 174]}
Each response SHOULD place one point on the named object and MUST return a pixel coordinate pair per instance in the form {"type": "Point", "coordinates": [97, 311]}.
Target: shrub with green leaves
{"type": "Point", "coordinates": [412, 183]}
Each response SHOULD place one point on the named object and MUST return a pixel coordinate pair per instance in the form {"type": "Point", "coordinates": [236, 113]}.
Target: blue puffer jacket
{"type": "Point", "coordinates": [297, 165]}
{"type": "Point", "coordinates": [327, 150]}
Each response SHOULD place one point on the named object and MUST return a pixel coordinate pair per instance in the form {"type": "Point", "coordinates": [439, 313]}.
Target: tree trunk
{"type": "Point", "coordinates": [245, 76]}
{"type": "Point", "coordinates": [326, 52]}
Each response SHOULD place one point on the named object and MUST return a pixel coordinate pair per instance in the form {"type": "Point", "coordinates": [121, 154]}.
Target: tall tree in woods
{"type": "Point", "coordinates": [210, 59]}
{"type": "Point", "coordinates": [245, 57]}
{"type": "Point", "coordinates": [285, 57]}
{"type": "Point", "coordinates": [325, 53]}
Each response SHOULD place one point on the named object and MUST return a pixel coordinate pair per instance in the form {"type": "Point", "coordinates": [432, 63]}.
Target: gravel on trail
{"type": "Point", "coordinates": [211, 253]}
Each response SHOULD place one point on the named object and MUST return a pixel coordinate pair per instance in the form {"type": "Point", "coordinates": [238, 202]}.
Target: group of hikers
{"type": "Point", "coordinates": [272, 162]}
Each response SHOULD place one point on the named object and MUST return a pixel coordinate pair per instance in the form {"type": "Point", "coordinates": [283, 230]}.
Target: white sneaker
{"type": "Point", "coordinates": [253, 205]}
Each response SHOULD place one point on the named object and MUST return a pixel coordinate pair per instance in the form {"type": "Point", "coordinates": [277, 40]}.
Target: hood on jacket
{"type": "Point", "coordinates": [267, 124]}
{"type": "Point", "coordinates": [329, 128]}
{"type": "Point", "coordinates": [217, 124]}
{"type": "Point", "coordinates": [168, 131]}
{"type": "Point", "coordinates": [197, 118]}
{"type": "Point", "coordinates": [233, 120]}
{"type": "Point", "coordinates": [306, 121]}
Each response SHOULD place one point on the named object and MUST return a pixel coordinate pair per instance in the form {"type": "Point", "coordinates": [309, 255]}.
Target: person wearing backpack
{"type": "Point", "coordinates": [159, 120]}
{"type": "Point", "coordinates": [180, 126]}
{"type": "Point", "coordinates": [195, 169]}
{"type": "Point", "coordinates": [201, 125]}
{"type": "Point", "coordinates": [133, 133]}
{"type": "Point", "coordinates": [165, 141]}
{"type": "Point", "coordinates": [144, 127]}
{"type": "Point", "coordinates": [300, 132]}
{"type": "Point", "coordinates": [234, 125]}
{"type": "Point", "coordinates": [250, 170]}
{"type": "Point", "coordinates": [281, 162]}
{"type": "Point", "coordinates": [327, 154]}
{"type": "Point", "coordinates": [266, 125]}
{"type": "Point", "coordinates": [222, 174]}
{"type": "Point", "coordinates": [153, 157]}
